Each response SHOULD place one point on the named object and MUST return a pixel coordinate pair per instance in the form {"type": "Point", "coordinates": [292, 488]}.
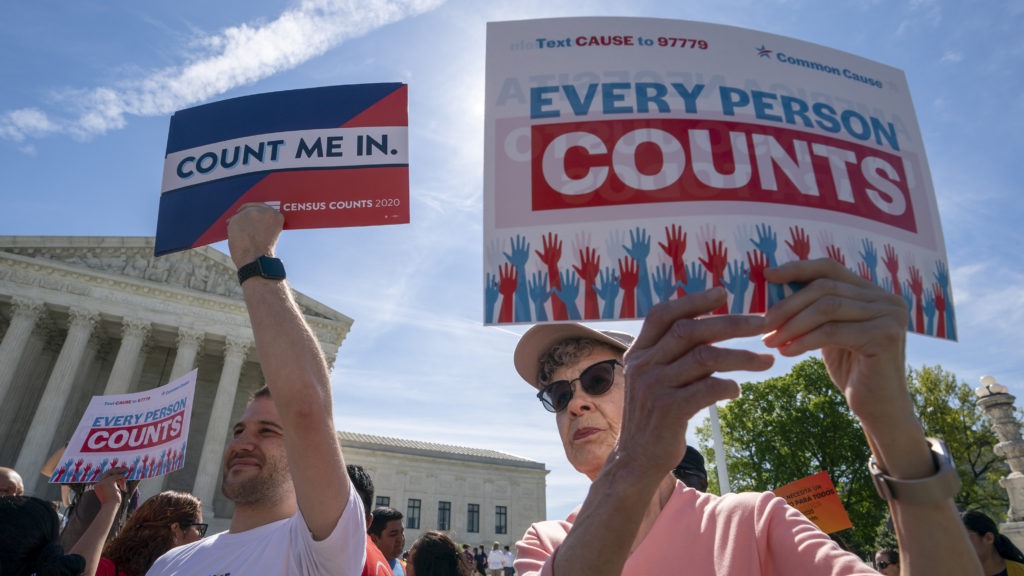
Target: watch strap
{"type": "Point", "coordinates": [262, 267]}
{"type": "Point", "coordinates": [942, 485]}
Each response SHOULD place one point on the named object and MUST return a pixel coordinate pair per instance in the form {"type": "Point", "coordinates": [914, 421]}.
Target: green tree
{"type": "Point", "coordinates": [947, 409]}
{"type": "Point", "coordinates": [792, 426]}
{"type": "Point", "coordinates": [795, 425]}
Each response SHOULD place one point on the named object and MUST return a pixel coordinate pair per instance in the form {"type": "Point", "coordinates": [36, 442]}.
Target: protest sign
{"type": "Point", "coordinates": [815, 497]}
{"type": "Point", "coordinates": [325, 157]}
{"type": "Point", "coordinates": [146, 432]}
{"type": "Point", "coordinates": [629, 161]}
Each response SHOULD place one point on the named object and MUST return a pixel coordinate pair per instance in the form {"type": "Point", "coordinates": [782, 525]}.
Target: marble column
{"type": "Point", "coordinates": [23, 321]}
{"type": "Point", "coordinates": [133, 336]}
{"type": "Point", "coordinates": [208, 472]}
{"type": "Point", "coordinates": [189, 341]}
{"type": "Point", "coordinates": [39, 440]}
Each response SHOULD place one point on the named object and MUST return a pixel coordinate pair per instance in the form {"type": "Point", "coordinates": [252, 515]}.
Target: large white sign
{"type": "Point", "coordinates": [630, 161]}
{"type": "Point", "coordinates": [146, 432]}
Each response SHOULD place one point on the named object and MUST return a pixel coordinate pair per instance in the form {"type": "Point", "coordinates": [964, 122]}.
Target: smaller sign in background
{"type": "Point", "coordinates": [816, 498]}
{"type": "Point", "coordinates": [146, 432]}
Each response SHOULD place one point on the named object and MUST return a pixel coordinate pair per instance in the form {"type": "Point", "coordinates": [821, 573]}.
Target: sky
{"type": "Point", "coordinates": [89, 87]}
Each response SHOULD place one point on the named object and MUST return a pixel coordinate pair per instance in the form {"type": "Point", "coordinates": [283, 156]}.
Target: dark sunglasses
{"type": "Point", "coordinates": [200, 527]}
{"type": "Point", "coordinates": [882, 564]}
{"type": "Point", "coordinates": [596, 379]}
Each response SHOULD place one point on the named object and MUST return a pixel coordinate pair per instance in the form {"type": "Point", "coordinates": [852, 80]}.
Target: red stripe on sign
{"type": "Point", "coordinates": [618, 162]}
{"type": "Point", "coordinates": [132, 438]}
{"type": "Point", "coordinates": [391, 110]}
{"type": "Point", "coordinates": [328, 199]}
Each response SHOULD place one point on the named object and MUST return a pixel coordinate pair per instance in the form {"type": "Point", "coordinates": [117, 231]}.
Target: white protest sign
{"type": "Point", "coordinates": [630, 161]}
{"type": "Point", "coordinates": [146, 432]}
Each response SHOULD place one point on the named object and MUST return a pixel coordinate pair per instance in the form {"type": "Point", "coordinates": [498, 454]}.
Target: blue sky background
{"type": "Point", "coordinates": [89, 87]}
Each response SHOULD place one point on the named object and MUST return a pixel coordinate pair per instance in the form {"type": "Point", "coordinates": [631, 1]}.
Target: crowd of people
{"type": "Point", "coordinates": [621, 404]}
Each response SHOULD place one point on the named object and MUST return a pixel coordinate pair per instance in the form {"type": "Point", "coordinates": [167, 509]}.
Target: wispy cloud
{"type": "Point", "coordinates": [235, 57]}
{"type": "Point", "coordinates": [952, 57]}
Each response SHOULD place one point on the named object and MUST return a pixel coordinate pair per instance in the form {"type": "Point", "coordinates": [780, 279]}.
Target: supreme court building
{"type": "Point", "coordinates": [85, 316]}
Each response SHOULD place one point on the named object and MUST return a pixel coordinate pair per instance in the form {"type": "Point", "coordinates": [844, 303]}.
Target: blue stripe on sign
{"type": "Point", "coordinates": [187, 213]}
{"type": "Point", "coordinates": [326, 107]}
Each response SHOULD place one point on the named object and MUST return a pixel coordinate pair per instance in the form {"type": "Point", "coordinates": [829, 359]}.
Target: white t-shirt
{"type": "Point", "coordinates": [282, 547]}
{"type": "Point", "coordinates": [495, 558]}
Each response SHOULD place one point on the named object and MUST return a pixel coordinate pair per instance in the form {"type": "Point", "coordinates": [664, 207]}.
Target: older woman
{"type": "Point", "coordinates": [621, 407]}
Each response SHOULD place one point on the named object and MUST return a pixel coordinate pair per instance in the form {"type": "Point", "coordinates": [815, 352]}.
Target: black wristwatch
{"type": "Point", "coordinates": [265, 266]}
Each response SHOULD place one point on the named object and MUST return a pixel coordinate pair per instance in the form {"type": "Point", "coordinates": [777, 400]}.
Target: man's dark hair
{"type": "Point", "coordinates": [691, 470]}
{"type": "Point", "coordinates": [381, 517]}
{"type": "Point", "coordinates": [363, 484]}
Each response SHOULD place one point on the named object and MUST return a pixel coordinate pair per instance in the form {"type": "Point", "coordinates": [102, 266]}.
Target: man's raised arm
{"type": "Point", "coordinates": [295, 372]}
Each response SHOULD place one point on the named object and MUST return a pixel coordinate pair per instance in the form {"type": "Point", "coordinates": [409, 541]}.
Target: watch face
{"type": "Point", "coordinates": [271, 268]}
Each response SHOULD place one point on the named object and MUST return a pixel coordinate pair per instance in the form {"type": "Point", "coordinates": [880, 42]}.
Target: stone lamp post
{"type": "Point", "coordinates": [997, 402]}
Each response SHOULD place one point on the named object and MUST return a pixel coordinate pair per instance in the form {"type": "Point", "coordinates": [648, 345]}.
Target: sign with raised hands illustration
{"type": "Point", "coordinates": [145, 432]}
{"type": "Point", "coordinates": [630, 161]}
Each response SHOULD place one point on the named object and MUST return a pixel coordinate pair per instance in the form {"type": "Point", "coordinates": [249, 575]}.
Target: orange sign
{"type": "Point", "coordinates": [815, 497]}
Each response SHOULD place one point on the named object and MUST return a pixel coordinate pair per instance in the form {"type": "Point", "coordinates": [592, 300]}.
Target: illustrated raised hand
{"type": "Point", "coordinates": [916, 286]}
{"type": "Point", "coordinates": [869, 256]}
{"type": "Point", "coordinates": [799, 243]}
{"type": "Point", "coordinates": [568, 293]}
{"type": "Point", "coordinates": [697, 280]}
{"type": "Point", "coordinates": [628, 278]}
{"type": "Point", "coordinates": [639, 249]}
{"type": "Point", "coordinates": [608, 290]}
{"type": "Point", "coordinates": [758, 262]}
{"type": "Point", "coordinates": [929, 311]}
{"type": "Point", "coordinates": [508, 278]}
{"type": "Point", "coordinates": [942, 277]}
{"type": "Point", "coordinates": [675, 248]}
{"type": "Point", "coordinates": [663, 282]}
{"type": "Point", "coordinates": [551, 256]}
{"type": "Point", "coordinates": [908, 297]}
{"type": "Point", "coordinates": [590, 266]}
{"type": "Point", "coordinates": [892, 264]}
{"type": "Point", "coordinates": [736, 282]}
{"type": "Point", "coordinates": [767, 243]}
{"type": "Point", "coordinates": [940, 307]}
{"type": "Point", "coordinates": [836, 253]}
{"type": "Point", "coordinates": [715, 263]}
{"type": "Point", "coordinates": [491, 293]}
{"type": "Point", "coordinates": [865, 272]}
{"type": "Point", "coordinates": [518, 257]}
{"type": "Point", "coordinates": [539, 293]}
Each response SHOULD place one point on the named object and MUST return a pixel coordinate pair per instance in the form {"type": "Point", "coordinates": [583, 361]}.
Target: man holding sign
{"type": "Point", "coordinates": [295, 509]}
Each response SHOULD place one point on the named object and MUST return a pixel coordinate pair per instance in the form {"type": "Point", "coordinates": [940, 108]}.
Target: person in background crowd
{"type": "Point", "coordinates": [621, 408]}
{"type": "Point", "coordinates": [998, 556]}
{"type": "Point", "coordinates": [376, 564]}
{"type": "Point", "coordinates": [691, 470]}
{"type": "Point", "coordinates": [468, 554]}
{"type": "Point", "coordinates": [435, 554]}
{"type": "Point", "coordinates": [295, 509]}
{"type": "Point", "coordinates": [10, 482]}
{"type": "Point", "coordinates": [388, 534]}
{"type": "Point", "coordinates": [509, 559]}
{"type": "Point", "coordinates": [30, 533]}
{"type": "Point", "coordinates": [495, 559]}
{"type": "Point", "coordinates": [887, 562]}
{"type": "Point", "coordinates": [480, 560]}
{"type": "Point", "coordinates": [162, 522]}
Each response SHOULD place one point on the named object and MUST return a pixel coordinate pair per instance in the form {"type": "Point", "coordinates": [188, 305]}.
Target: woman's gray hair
{"type": "Point", "coordinates": [565, 353]}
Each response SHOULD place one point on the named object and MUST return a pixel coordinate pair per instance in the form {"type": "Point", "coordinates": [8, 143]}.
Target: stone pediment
{"type": "Point", "coordinates": [203, 269]}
